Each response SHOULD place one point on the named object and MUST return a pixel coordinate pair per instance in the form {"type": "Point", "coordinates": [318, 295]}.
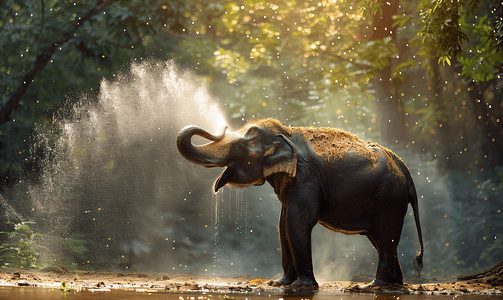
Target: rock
{"type": "Point", "coordinates": [492, 276]}
{"type": "Point", "coordinates": [59, 269]}
{"type": "Point", "coordinates": [362, 278]}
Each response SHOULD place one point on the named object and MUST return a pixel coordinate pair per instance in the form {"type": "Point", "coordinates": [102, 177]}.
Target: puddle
{"type": "Point", "coordinates": [30, 293]}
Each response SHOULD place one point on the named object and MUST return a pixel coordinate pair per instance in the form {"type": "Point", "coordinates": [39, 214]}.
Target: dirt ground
{"type": "Point", "coordinates": [60, 277]}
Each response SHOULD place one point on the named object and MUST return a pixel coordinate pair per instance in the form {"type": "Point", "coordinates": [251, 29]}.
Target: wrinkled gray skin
{"type": "Point", "coordinates": [348, 195]}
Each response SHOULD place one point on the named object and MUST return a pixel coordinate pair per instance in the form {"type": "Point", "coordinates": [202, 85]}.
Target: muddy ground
{"type": "Point", "coordinates": [60, 277]}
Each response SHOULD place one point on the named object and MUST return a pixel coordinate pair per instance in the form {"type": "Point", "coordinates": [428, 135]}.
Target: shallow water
{"type": "Point", "coordinates": [30, 293]}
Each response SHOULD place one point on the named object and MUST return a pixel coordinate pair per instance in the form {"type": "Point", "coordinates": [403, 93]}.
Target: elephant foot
{"type": "Point", "coordinates": [379, 282]}
{"type": "Point", "coordinates": [284, 280]}
{"type": "Point", "coordinates": [304, 281]}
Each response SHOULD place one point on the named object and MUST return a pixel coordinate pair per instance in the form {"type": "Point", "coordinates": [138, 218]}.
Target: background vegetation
{"type": "Point", "coordinates": [423, 78]}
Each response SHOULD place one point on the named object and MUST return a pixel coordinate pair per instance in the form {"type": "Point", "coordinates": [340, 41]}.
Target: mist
{"type": "Point", "coordinates": [111, 174]}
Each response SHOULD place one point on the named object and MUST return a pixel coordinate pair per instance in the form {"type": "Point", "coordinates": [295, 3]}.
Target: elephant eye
{"type": "Point", "coordinates": [239, 149]}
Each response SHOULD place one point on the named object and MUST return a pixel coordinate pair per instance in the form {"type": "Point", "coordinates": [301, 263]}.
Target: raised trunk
{"type": "Point", "coordinates": [205, 155]}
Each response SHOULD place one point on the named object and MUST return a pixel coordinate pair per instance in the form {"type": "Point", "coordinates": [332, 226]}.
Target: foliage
{"type": "Point", "coordinates": [75, 245]}
{"type": "Point", "coordinates": [22, 249]}
{"type": "Point", "coordinates": [446, 28]}
{"type": "Point", "coordinates": [492, 252]}
{"type": "Point", "coordinates": [74, 249]}
{"type": "Point", "coordinates": [63, 290]}
{"type": "Point", "coordinates": [442, 27]}
{"type": "Point", "coordinates": [289, 53]}
{"type": "Point", "coordinates": [477, 218]}
{"type": "Point", "coordinates": [482, 60]}
{"type": "Point", "coordinates": [492, 189]}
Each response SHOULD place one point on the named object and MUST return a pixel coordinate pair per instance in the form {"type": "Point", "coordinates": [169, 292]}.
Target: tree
{"type": "Point", "coordinates": [320, 56]}
{"type": "Point", "coordinates": [315, 52]}
{"type": "Point", "coordinates": [49, 49]}
{"type": "Point", "coordinates": [45, 55]}
{"type": "Point", "coordinates": [472, 41]}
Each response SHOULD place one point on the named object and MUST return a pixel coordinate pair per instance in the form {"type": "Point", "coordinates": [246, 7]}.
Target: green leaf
{"type": "Point", "coordinates": [444, 59]}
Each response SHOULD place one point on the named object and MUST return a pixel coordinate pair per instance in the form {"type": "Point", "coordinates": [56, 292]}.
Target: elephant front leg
{"type": "Point", "coordinates": [289, 273]}
{"type": "Point", "coordinates": [300, 222]}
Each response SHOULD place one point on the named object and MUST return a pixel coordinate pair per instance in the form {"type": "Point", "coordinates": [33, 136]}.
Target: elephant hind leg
{"type": "Point", "coordinates": [385, 236]}
{"type": "Point", "coordinates": [388, 269]}
{"type": "Point", "coordinates": [398, 270]}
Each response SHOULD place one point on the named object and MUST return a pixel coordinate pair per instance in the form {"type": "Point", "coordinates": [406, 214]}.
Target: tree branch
{"type": "Point", "coordinates": [43, 58]}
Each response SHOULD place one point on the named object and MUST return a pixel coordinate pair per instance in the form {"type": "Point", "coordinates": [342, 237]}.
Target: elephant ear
{"type": "Point", "coordinates": [281, 157]}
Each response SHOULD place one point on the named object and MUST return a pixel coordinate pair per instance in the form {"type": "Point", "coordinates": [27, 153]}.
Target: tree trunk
{"type": "Point", "coordinates": [391, 117]}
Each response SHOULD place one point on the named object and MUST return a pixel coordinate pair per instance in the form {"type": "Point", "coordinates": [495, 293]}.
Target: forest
{"type": "Point", "coordinates": [90, 177]}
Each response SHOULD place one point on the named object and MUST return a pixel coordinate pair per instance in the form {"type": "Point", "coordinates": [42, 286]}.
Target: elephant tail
{"type": "Point", "coordinates": [418, 259]}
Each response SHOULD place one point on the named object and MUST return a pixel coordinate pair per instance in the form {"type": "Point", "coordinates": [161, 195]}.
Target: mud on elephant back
{"type": "Point", "coordinates": [320, 175]}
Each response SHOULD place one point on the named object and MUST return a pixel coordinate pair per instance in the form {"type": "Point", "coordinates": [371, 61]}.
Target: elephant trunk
{"type": "Point", "coordinates": [205, 155]}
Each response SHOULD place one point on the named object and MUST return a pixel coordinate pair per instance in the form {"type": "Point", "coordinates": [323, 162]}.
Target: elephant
{"type": "Point", "coordinates": [321, 175]}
